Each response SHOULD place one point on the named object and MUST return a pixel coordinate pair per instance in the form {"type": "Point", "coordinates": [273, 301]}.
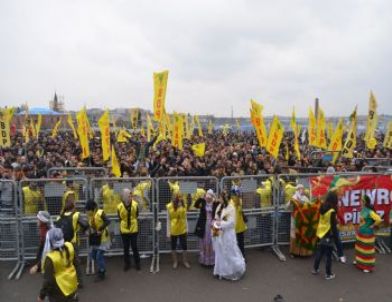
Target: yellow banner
{"type": "Point", "coordinates": [199, 128]}
{"type": "Point", "coordinates": [336, 140]}
{"type": "Point", "coordinates": [275, 137]}
{"type": "Point", "coordinates": [257, 120]}
{"type": "Point", "coordinates": [5, 139]}
{"type": "Point", "coordinates": [388, 137]}
{"type": "Point", "coordinates": [330, 130]}
{"type": "Point", "coordinates": [160, 85]}
{"type": "Point", "coordinates": [104, 127]}
{"type": "Point", "coordinates": [150, 128]}
{"type": "Point", "coordinates": [321, 125]}
{"type": "Point", "coordinates": [56, 128]}
{"type": "Point", "coordinates": [351, 139]}
{"type": "Point", "coordinates": [116, 169]}
{"type": "Point", "coordinates": [372, 120]}
{"type": "Point", "coordinates": [83, 132]}
{"type": "Point", "coordinates": [312, 131]}
{"type": "Point", "coordinates": [38, 125]}
{"type": "Point", "coordinates": [199, 149]}
{"type": "Point", "coordinates": [178, 130]}
{"type": "Point", "coordinates": [135, 118]}
{"type": "Point", "coordinates": [123, 136]}
{"type": "Point", "coordinates": [296, 131]}
{"type": "Point", "coordinates": [71, 125]}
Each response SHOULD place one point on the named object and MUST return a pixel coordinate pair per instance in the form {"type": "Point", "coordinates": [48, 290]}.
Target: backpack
{"type": "Point", "coordinates": [65, 223]}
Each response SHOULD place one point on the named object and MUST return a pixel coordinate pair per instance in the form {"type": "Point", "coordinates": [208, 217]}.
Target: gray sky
{"type": "Point", "coordinates": [219, 54]}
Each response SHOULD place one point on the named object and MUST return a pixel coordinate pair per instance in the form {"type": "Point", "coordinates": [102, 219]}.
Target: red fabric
{"type": "Point", "coordinates": [43, 229]}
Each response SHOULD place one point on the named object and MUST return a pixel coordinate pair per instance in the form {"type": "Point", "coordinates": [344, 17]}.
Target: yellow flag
{"type": "Point", "coordinates": [83, 132]}
{"type": "Point", "coordinates": [225, 129]}
{"type": "Point", "coordinates": [199, 149]}
{"type": "Point", "coordinates": [162, 129]}
{"type": "Point", "coordinates": [351, 139]}
{"type": "Point", "coordinates": [275, 137]}
{"type": "Point", "coordinates": [296, 144]}
{"type": "Point", "coordinates": [199, 128]}
{"type": "Point", "coordinates": [336, 140]}
{"type": "Point", "coordinates": [5, 139]}
{"type": "Point", "coordinates": [38, 125]}
{"type": "Point", "coordinates": [116, 169]}
{"type": "Point", "coordinates": [56, 128]}
{"type": "Point", "coordinates": [104, 127]}
{"type": "Point", "coordinates": [388, 137]}
{"type": "Point", "coordinates": [32, 128]}
{"type": "Point", "coordinates": [210, 127]}
{"type": "Point", "coordinates": [312, 130]}
{"type": "Point", "coordinates": [71, 125]}
{"type": "Point", "coordinates": [371, 123]}
{"type": "Point", "coordinates": [150, 128]}
{"type": "Point", "coordinates": [123, 136]}
{"type": "Point", "coordinates": [160, 85]}
{"type": "Point", "coordinates": [178, 130]}
{"type": "Point", "coordinates": [321, 125]}
{"type": "Point", "coordinates": [256, 116]}
{"type": "Point", "coordinates": [134, 118]}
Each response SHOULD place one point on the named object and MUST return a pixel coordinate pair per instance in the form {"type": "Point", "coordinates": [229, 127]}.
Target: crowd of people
{"type": "Point", "coordinates": [234, 153]}
{"type": "Point", "coordinates": [221, 223]}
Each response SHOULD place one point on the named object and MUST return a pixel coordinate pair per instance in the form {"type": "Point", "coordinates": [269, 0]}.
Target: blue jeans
{"type": "Point", "coordinates": [98, 256]}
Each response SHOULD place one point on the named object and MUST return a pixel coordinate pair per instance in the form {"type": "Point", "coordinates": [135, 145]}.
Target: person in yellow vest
{"type": "Point", "coordinates": [33, 200]}
{"type": "Point", "coordinates": [99, 239]}
{"type": "Point", "coordinates": [71, 222]}
{"type": "Point", "coordinates": [60, 283]}
{"type": "Point", "coordinates": [177, 228]}
{"type": "Point", "coordinates": [327, 233]}
{"type": "Point", "coordinates": [72, 189]}
{"type": "Point", "coordinates": [240, 219]}
{"type": "Point", "coordinates": [264, 221]}
{"type": "Point", "coordinates": [110, 199]}
{"type": "Point", "coordinates": [128, 212]}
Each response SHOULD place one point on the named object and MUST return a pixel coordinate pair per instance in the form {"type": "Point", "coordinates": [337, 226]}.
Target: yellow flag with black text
{"type": "Point", "coordinates": [5, 139]}
{"type": "Point", "coordinates": [275, 137]}
{"type": "Point", "coordinates": [335, 143]}
{"type": "Point", "coordinates": [104, 127]}
{"type": "Point", "coordinates": [312, 129]}
{"type": "Point", "coordinates": [178, 131]}
{"type": "Point", "coordinates": [388, 137]}
{"type": "Point", "coordinates": [116, 168]}
{"type": "Point", "coordinates": [257, 120]}
{"type": "Point", "coordinates": [83, 132]}
{"type": "Point", "coordinates": [372, 121]}
{"type": "Point", "coordinates": [199, 128]}
{"type": "Point", "coordinates": [351, 139]}
{"type": "Point", "coordinates": [160, 85]}
{"type": "Point", "coordinates": [321, 129]}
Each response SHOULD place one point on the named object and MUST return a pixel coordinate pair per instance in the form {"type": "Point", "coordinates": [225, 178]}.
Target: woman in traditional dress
{"type": "Point", "coordinates": [207, 206]}
{"type": "Point", "coordinates": [229, 262]}
{"type": "Point", "coordinates": [365, 255]}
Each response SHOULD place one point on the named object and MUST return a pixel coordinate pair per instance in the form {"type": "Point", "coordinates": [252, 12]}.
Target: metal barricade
{"type": "Point", "coordinates": [9, 225]}
{"type": "Point", "coordinates": [194, 187]}
{"type": "Point", "coordinates": [77, 172]}
{"type": "Point", "coordinates": [106, 192]}
{"type": "Point", "coordinates": [257, 203]}
{"type": "Point", "coordinates": [50, 194]}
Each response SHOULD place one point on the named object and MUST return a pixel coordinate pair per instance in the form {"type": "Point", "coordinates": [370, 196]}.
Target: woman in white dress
{"type": "Point", "coordinates": [229, 262]}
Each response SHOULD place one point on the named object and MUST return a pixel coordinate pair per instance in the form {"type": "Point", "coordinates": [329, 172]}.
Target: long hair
{"type": "Point", "coordinates": [224, 204]}
{"type": "Point", "coordinates": [367, 202]}
{"type": "Point", "coordinates": [332, 199]}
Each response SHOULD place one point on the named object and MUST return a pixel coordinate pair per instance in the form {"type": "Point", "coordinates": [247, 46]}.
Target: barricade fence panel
{"type": "Point", "coordinates": [106, 192]}
{"type": "Point", "coordinates": [9, 229]}
{"type": "Point", "coordinates": [77, 172]}
{"type": "Point", "coordinates": [256, 194]}
{"type": "Point", "coordinates": [190, 189]}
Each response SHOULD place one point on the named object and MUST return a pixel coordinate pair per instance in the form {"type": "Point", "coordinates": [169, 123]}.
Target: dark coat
{"type": "Point", "coordinates": [201, 221]}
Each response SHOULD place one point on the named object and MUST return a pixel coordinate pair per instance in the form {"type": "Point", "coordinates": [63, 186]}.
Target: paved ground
{"type": "Point", "coordinates": [266, 276]}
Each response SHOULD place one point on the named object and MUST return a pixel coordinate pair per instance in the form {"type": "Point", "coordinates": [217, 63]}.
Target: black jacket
{"type": "Point", "coordinates": [201, 221]}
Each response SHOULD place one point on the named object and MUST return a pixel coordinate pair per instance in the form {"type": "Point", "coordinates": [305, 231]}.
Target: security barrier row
{"type": "Point", "coordinates": [265, 201]}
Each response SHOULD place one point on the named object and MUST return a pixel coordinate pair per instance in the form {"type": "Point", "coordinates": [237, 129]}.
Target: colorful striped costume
{"type": "Point", "coordinates": [364, 246]}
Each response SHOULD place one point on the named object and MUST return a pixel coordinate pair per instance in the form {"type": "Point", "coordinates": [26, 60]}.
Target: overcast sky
{"type": "Point", "coordinates": [219, 54]}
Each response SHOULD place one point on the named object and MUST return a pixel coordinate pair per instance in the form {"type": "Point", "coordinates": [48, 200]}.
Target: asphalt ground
{"type": "Point", "coordinates": [265, 277]}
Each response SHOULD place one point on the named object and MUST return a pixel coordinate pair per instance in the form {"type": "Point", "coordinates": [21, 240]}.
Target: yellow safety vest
{"type": "Point", "coordinates": [265, 193]}
{"type": "Point", "coordinates": [178, 221]}
{"type": "Point", "coordinates": [75, 225]}
{"type": "Point", "coordinates": [110, 200]}
{"type": "Point", "coordinates": [32, 200]}
{"type": "Point", "coordinates": [64, 275]}
{"type": "Point", "coordinates": [128, 225]}
{"type": "Point", "coordinates": [139, 192]}
{"type": "Point", "coordinates": [289, 191]}
{"type": "Point", "coordinates": [324, 224]}
{"type": "Point", "coordinates": [240, 225]}
{"type": "Point", "coordinates": [95, 221]}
